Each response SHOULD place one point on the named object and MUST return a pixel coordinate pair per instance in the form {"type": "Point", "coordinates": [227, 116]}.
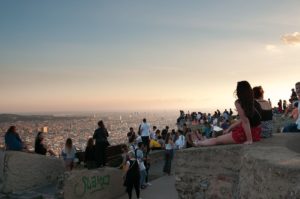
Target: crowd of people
{"type": "Point", "coordinates": [252, 122]}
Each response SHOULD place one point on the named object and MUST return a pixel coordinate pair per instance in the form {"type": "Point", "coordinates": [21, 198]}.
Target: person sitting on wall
{"type": "Point", "coordinates": [40, 147]}
{"type": "Point", "coordinates": [13, 141]}
{"type": "Point", "coordinates": [295, 112]}
{"type": "Point", "coordinates": [68, 154]}
{"type": "Point", "coordinates": [247, 129]}
{"type": "Point", "coordinates": [294, 127]}
{"type": "Point", "coordinates": [265, 112]}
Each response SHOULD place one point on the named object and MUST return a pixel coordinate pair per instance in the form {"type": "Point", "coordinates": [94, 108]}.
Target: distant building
{"type": "Point", "coordinates": [45, 129]}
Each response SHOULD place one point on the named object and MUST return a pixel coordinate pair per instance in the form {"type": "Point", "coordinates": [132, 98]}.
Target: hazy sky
{"type": "Point", "coordinates": [132, 55]}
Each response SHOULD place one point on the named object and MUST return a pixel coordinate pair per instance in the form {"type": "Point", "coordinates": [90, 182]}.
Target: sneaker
{"type": "Point", "coordinates": [148, 184]}
{"type": "Point", "coordinates": [143, 187]}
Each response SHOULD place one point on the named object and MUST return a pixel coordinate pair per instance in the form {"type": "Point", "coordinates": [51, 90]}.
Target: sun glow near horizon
{"type": "Point", "coordinates": [172, 56]}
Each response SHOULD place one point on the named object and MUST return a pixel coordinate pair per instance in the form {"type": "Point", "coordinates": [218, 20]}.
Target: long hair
{"type": "Point", "coordinates": [90, 143]}
{"type": "Point", "coordinates": [69, 143]}
{"type": "Point", "coordinates": [245, 97]}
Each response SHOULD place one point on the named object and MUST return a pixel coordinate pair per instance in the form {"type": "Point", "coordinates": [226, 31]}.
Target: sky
{"type": "Point", "coordinates": [58, 56]}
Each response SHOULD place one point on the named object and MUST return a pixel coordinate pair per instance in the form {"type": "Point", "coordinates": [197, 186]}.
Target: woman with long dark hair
{"type": "Point", "coordinates": [89, 154]}
{"type": "Point", "coordinates": [100, 136]}
{"type": "Point", "coordinates": [245, 130]}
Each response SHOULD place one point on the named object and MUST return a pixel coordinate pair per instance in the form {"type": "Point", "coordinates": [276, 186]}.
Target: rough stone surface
{"type": "Point", "coordinates": [99, 183]}
{"type": "Point", "coordinates": [267, 169]}
{"type": "Point", "coordinates": [1, 170]}
{"type": "Point", "coordinates": [205, 173]}
{"type": "Point", "coordinates": [25, 171]}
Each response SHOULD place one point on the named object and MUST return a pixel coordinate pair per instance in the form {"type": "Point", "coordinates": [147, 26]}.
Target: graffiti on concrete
{"type": "Point", "coordinates": [91, 184]}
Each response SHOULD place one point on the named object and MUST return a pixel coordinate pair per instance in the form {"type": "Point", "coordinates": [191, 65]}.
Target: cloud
{"type": "Point", "coordinates": [272, 48]}
{"type": "Point", "coordinates": [291, 39]}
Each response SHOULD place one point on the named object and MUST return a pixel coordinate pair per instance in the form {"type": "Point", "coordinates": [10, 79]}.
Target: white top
{"type": "Point", "coordinates": [145, 129]}
{"type": "Point", "coordinates": [68, 154]}
{"type": "Point", "coordinates": [180, 142]}
{"type": "Point", "coordinates": [198, 116]}
{"type": "Point", "coordinates": [153, 135]}
{"type": "Point", "coordinates": [216, 128]}
{"type": "Point", "coordinates": [169, 146]}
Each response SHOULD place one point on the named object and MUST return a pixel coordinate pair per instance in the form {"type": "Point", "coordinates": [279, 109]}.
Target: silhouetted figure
{"type": "Point", "coordinates": [132, 176]}
{"type": "Point", "coordinates": [40, 147]}
{"type": "Point", "coordinates": [100, 137]}
{"type": "Point", "coordinates": [13, 141]}
{"type": "Point", "coordinates": [89, 154]}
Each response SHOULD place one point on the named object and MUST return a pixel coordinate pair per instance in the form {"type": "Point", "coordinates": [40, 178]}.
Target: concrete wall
{"type": "Point", "coordinates": [272, 173]}
{"type": "Point", "coordinates": [267, 169]}
{"type": "Point", "coordinates": [101, 183]}
{"type": "Point", "coordinates": [205, 173]}
{"type": "Point", "coordinates": [157, 156]}
{"type": "Point", "coordinates": [1, 169]}
{"type": "Point", "coordinates": [22, 171]}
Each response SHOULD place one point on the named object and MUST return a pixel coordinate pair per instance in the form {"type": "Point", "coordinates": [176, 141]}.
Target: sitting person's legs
{"type": "Point", "coordinates": [291, 128]}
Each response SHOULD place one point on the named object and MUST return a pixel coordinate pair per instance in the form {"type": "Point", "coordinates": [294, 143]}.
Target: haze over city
{"type": "Point", "coordinates": [136, 55]}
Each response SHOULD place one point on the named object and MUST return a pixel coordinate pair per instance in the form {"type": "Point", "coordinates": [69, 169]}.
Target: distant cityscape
{"type": "Point", "coordinates": [80, 127]}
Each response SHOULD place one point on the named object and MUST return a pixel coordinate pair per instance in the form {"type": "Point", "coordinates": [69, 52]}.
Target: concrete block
{"type": "Point", "coordinates": [103, 183]}
{"type": "Point", "coordinates": [23, 171]}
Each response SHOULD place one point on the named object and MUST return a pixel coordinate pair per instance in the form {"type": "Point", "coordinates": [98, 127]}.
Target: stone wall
{"type": "Point", "coordinates": [274, 172]}
{"type": "Point", "coordinates": [1, 170]}
{"type": "Point", "coordinates": [156, 156]}
{"type": "Point", "coordinates": [205, 173]}
{"type": "Point", "coordinates": [22, 171]}
{"type": "Point", "coordinates": [94, 184]}
{"type": "Point", "coordinates": [267, 169]}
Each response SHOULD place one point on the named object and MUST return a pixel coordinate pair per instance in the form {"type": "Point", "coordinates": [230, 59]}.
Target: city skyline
{"type": "Point", "coordinates": [131, 55]}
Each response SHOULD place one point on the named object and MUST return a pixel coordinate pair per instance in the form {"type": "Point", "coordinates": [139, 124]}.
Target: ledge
{"type": "Point", "coordinates": [21, 171]}
{"type": "Point", "coordinates": [266, 169]}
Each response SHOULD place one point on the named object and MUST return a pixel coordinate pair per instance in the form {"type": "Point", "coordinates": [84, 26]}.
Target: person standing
{"type": "Point", "coordinates": [165, 132]}
{"type": "Point", "coordinates": [132, 175]}
{"type": "Point", "coordinates": [169, 153]}
{"type": "Point", "coordinates": [280, 106]}
{"type": "Point", "coordinates": [100, 137]}
{"type": "Point", "coordinates": [89, 154]}
{"type": "Point", "coordinates": [145, 134]}
{"type": "Point", "coordinates": [131, 134]}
